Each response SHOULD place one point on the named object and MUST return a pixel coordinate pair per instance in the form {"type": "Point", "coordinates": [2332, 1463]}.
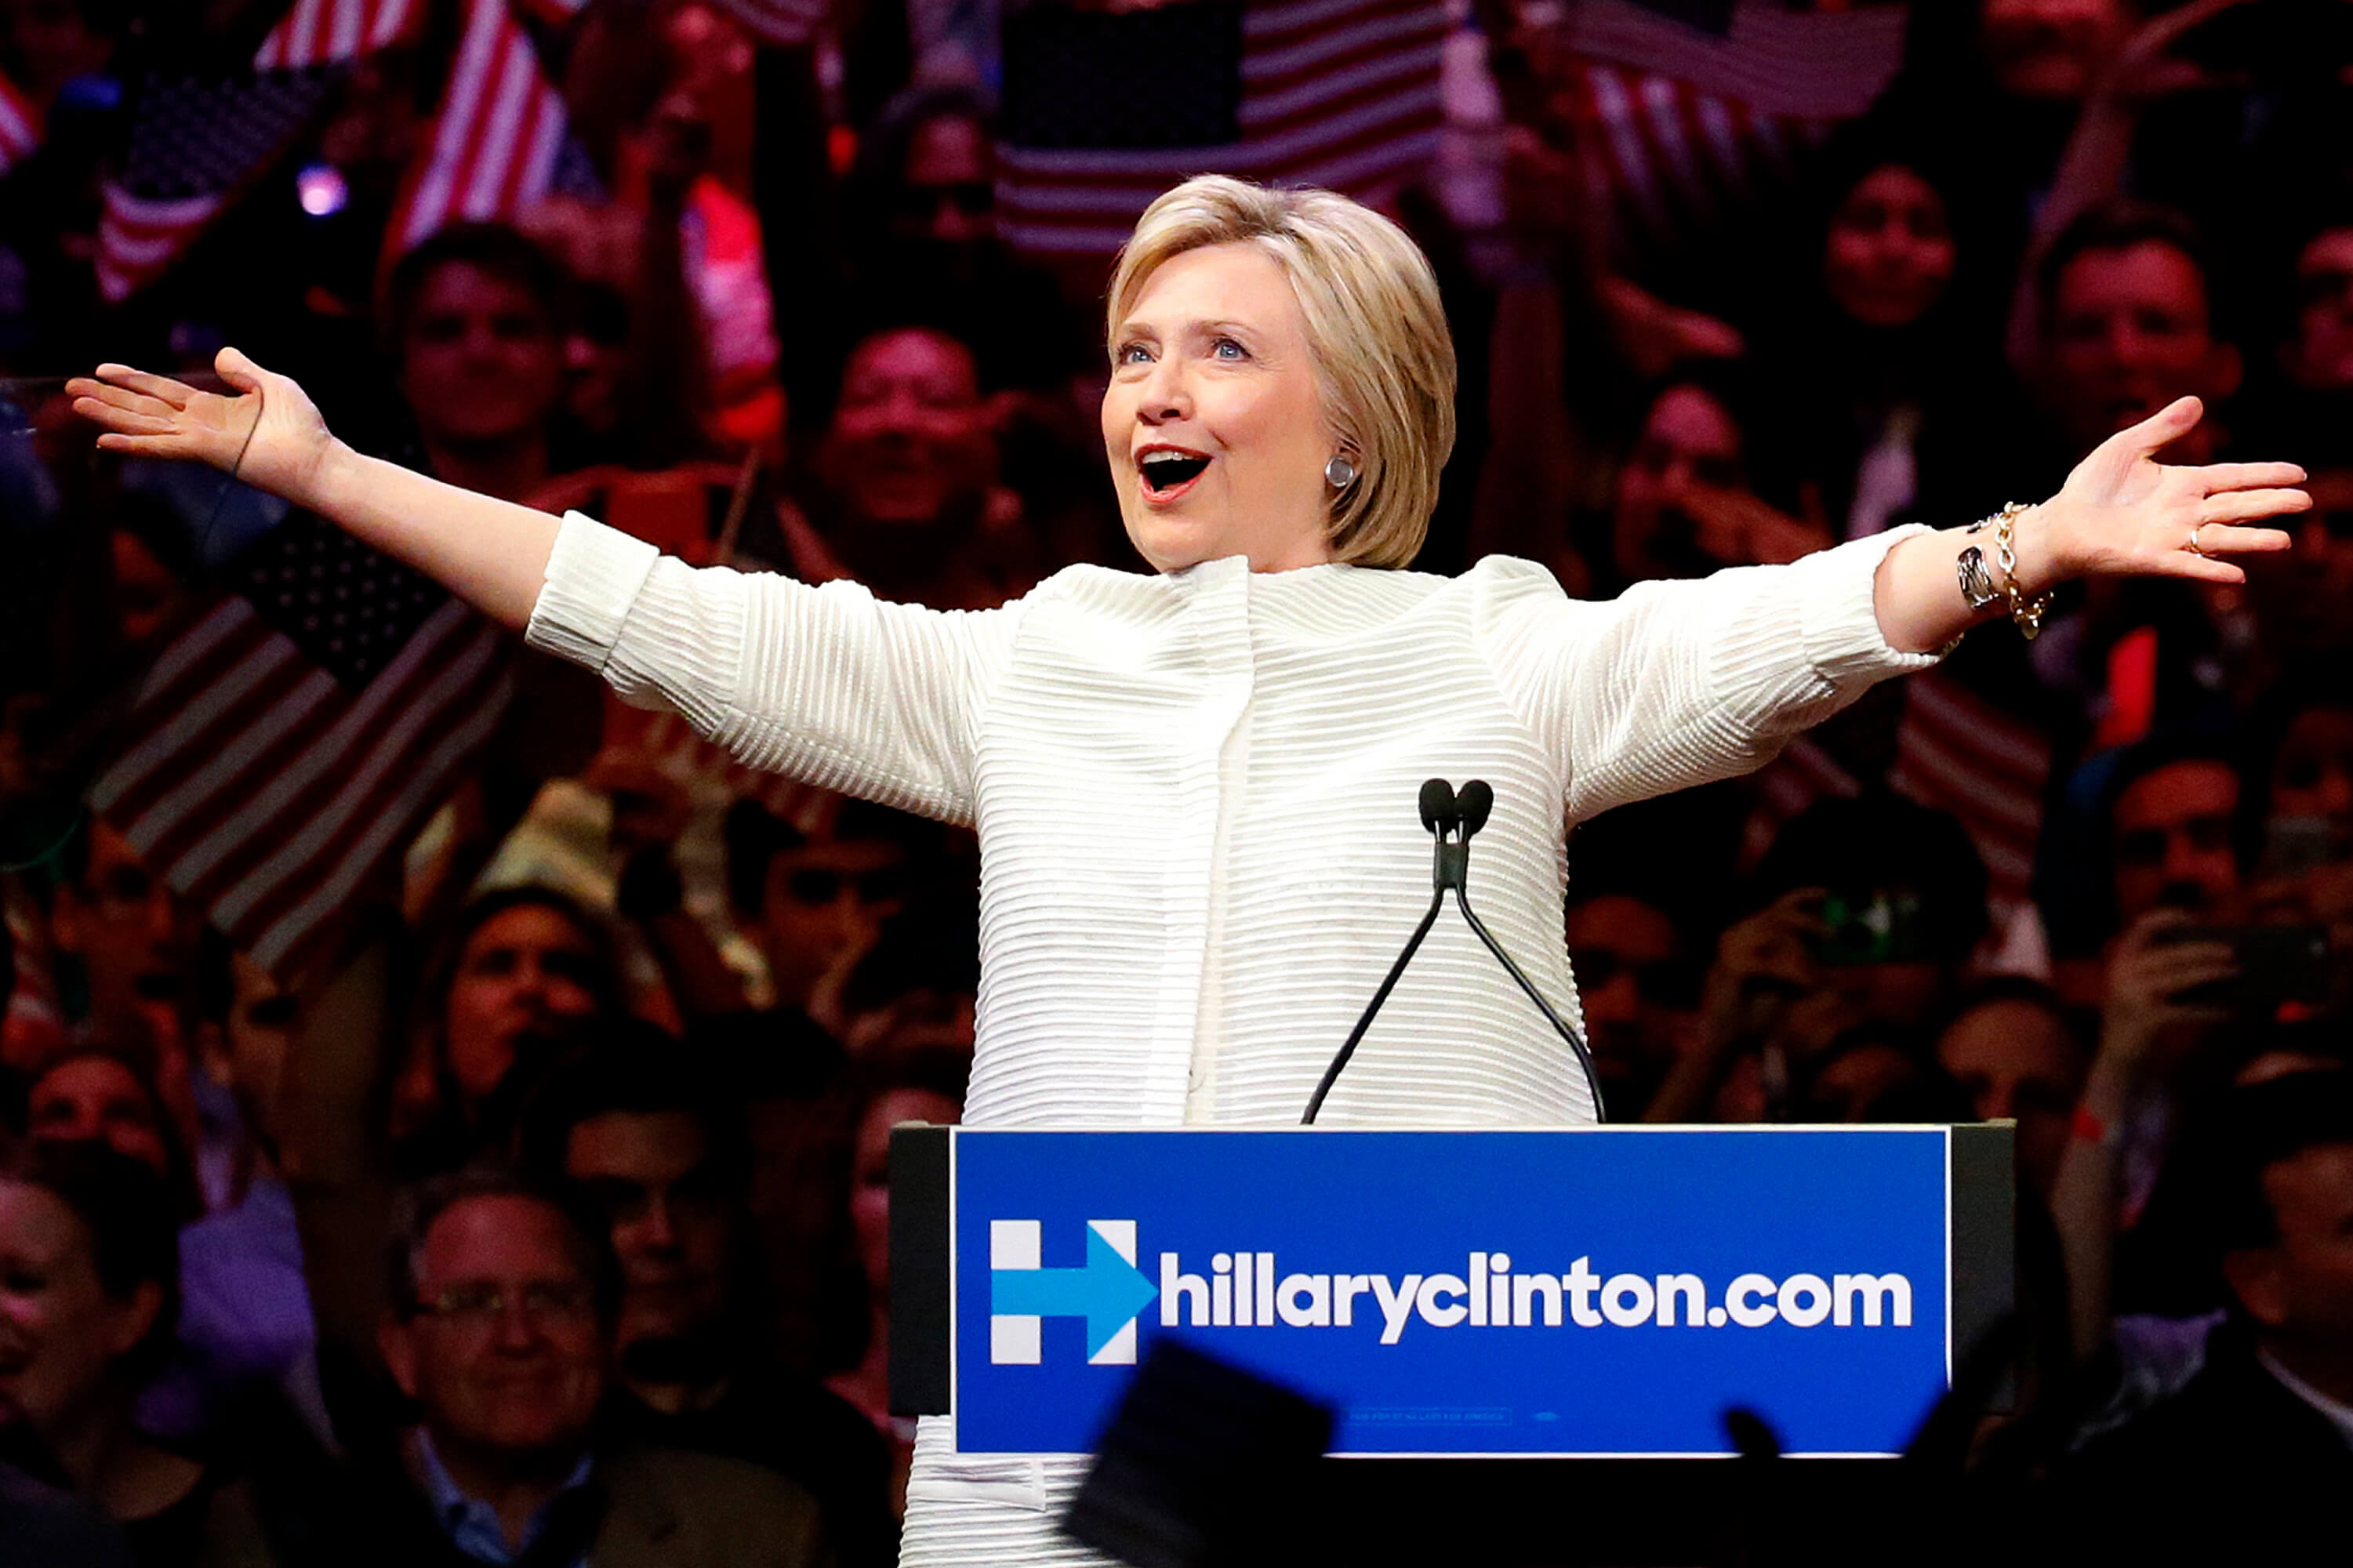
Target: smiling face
{"type": "Point", "coordinates": [911, 440]}
{"type": "Point", "coordinates": [59, 1330]}
{"type": "Point", "coordinates": [1213, 421]}
{"type": "Point", "coordinates": [503, 1352]}
{"type": "Point", "coordinates": [1889, 252]}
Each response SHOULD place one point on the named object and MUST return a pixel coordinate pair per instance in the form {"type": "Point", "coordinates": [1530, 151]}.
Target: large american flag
{"type": "Point", "coordinates": [1680, 122]}
{"type": "Point", "coordinates": [195, 148]}
{"type": "Point", "coordinates": [20, 127]}
{"type": "Point", "coordinates": [293, 740]}
{"type": "Point", "coordinates": [1104, 112]}
{"type": "Point", "coordinates": [495, 138]}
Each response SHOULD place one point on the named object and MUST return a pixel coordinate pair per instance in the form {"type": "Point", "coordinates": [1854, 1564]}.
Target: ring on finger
{"type": "Point", "coordinates": [2193, 546]}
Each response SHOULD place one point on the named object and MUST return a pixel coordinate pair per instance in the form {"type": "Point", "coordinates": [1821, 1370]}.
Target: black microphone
{"type": "Point", "coordinates": [1463, 812]}
{"type": "Point", "coordinates": [1438, 810]}
{"type": "Point", "coordinates": [1474, 801]}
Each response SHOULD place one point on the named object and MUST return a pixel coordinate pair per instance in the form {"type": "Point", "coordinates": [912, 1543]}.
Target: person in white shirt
{"type": "Point", "coordinates": [1195, 791]}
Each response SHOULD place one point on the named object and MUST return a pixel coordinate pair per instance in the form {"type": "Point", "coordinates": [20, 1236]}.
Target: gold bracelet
{"type": "Point", "coordinates": [2025, 613]}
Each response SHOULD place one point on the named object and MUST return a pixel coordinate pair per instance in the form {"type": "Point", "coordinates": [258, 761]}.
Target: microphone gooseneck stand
{"type": "Point", "coordinates": [1462, 814]}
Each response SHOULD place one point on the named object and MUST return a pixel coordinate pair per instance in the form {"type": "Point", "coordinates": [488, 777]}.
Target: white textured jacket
{"type": "Point", "coordinates": [1197, 801]}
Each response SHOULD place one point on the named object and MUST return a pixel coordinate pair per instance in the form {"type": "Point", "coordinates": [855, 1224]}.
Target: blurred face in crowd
{"type": "Point", "coordinates": [2049, 48]}
{"type": "Point", "coordinates": [99, 1099]}
{"type": "Point", "coordinates": [524, 970]}
{"type": "Point", "coordinates": [2170, 839]}
{"type": "Point", "coordinates": [945, 195]}
{"type": "Point", "coordinates": [912, 441]}
{"type": "Point", "coordinates": [870, 1178]}
{"type": "Point", "coordinates": [256, 1036]}
{"type": "Point", "coordinates": [2300, 596]}
{"type": "Point", "coordinates": [135, 937]}
{"type": "Point", "coordinates": [2018, 1061]}
{"type": "Point", "coordinates": [672, 1225]}
{"type": "Point", "coordinates": [1853, 1085]}
{"type": "Point", "coordinates": [822, 908]}
{"type": "Point", "coordinates": [1213, 420]}
{"type": "Point", "coordinates": [2128, 332]}
{"type": "Point", "coordinates": [1635, 985]}
{"type": "Point", "coordinates": [1688, 437]}
{"type": "Point", "coordinates": [2321, 358]}
{"type": "Point", "coordinates": [59, 1330]}
{"type": "Point", "coordinates": [709, 65]}
{"type": "Point", "coordinates": [2312, 772]}
{"type": "Point", "coordinates": [1889, 252]}
{"type": "Point", "coordinates": [2300, 1288]}
{"type": "Point", "coordinates": [481, 363]}
{"type": "Point", "coordinates": [504, 1353]}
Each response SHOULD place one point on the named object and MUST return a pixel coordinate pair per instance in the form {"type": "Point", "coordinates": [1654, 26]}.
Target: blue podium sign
{"type": "Point", "coordinates": [1601, 1293]}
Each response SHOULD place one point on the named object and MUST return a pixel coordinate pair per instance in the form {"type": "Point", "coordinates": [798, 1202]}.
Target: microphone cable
{"type": "Point", "coordinates": [1465, 814]}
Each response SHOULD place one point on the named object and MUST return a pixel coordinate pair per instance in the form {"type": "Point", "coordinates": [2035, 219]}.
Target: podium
{"type": "Point", "coordinates": [1591, 1293]}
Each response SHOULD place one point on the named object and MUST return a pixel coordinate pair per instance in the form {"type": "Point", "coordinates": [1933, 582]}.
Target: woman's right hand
{"type": "Point", "coordinates": [269, 436]}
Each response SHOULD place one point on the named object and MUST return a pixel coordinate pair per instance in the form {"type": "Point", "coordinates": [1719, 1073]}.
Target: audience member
{"type": "Point", "coordinates": [517, 969]}
{"type": "Point", "coordinates": [652, 1140]}
{"type": "Point", "coordinates": [814, 902]}
{"type": "Point", "coordinates": [87, 1301]}
{"type": "Point", "coordinates": [114, 1096]}
{"type": "Point", "coordinates": [921, 204]}
{"type": "Point", "coordinates": [2174, 831]}
{"type": "Point", "coordinates": [2248, 1461]}
{"type": "Point", "coordinates": [499, 1330]}
{"type": "Point", "coordinates": [907, 499]}
{"type": "Point", "coordinates": [925, 1087]}
{"type": "Point", "coordinates": [471, 325]}
{"type": "Point", "coordinates": [2126, 309]}
{"type": "Point", "coordinates": [2013, 1046]}
{"type": "Point", "coordinates": [1639, 988]}
{"type": "Point", "coordinates": [132, 938]}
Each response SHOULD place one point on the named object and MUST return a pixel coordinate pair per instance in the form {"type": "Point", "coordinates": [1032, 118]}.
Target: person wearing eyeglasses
{"type": "Point", "coordinates": [499, 1330]}
{"type": "Point", "coordinates": [666, 1157]}
{"type": "Point", "coordinates": [1195, 789]}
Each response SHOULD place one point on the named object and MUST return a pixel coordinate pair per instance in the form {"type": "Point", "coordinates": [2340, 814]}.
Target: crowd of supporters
{"type": "Point", "coordinates": [528, 1204]}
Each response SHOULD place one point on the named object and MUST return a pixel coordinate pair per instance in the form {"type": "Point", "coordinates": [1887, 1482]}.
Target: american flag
{"type": "Point", "coordinates": [329, 32]}
{"type": "Point", "coordinates": [1678, 123]}
{"type": "Point", "coordinates": [780, 22]}
{"type": "Point", "coordinates": [34, 1021]}
{"type": "Point", "coordinates": [1827, 64]}
{"type": "Point", "coordinates": [1106, 111]}
{"type": "Point", "coordinates": [20, 126]}
{"type": "Point", "coordinates": [292, 741]}
{"type": "Point", "coordinates": [495, 138]}
{"type": "Point", "coordinates": [195, 147]}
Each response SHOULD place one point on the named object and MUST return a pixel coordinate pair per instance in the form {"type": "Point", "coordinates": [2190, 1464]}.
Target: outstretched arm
{"type": "Point", "coordinates": [2121, 514]}
{"type": "Point", "coordinates": [491, 553]}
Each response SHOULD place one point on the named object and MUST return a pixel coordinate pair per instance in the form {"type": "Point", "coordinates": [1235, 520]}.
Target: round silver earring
{"type": "Point", "coordinates": [1339, 473]}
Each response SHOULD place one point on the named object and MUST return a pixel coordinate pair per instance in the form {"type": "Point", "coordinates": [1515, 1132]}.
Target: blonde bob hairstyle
{"type": "Point", "coordinates": [1383, 360]}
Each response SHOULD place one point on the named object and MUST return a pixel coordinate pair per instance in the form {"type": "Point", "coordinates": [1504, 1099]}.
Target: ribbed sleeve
{"type": "Point", "coordinates": [1677, 684]}
{"type": "Point", "coordinates": [827, 684]}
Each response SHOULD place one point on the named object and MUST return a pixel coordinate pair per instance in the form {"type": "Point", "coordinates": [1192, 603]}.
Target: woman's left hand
{"type": "Point", "coordinates": [2121, 513]}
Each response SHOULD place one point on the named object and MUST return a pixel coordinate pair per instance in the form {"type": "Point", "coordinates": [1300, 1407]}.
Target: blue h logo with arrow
{"type": "Point", "coordinates": [1108, 1292]}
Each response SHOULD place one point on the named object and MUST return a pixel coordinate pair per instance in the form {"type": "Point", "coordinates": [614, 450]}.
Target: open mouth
{"type": "Point", "coordinates": [1167, 471]}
